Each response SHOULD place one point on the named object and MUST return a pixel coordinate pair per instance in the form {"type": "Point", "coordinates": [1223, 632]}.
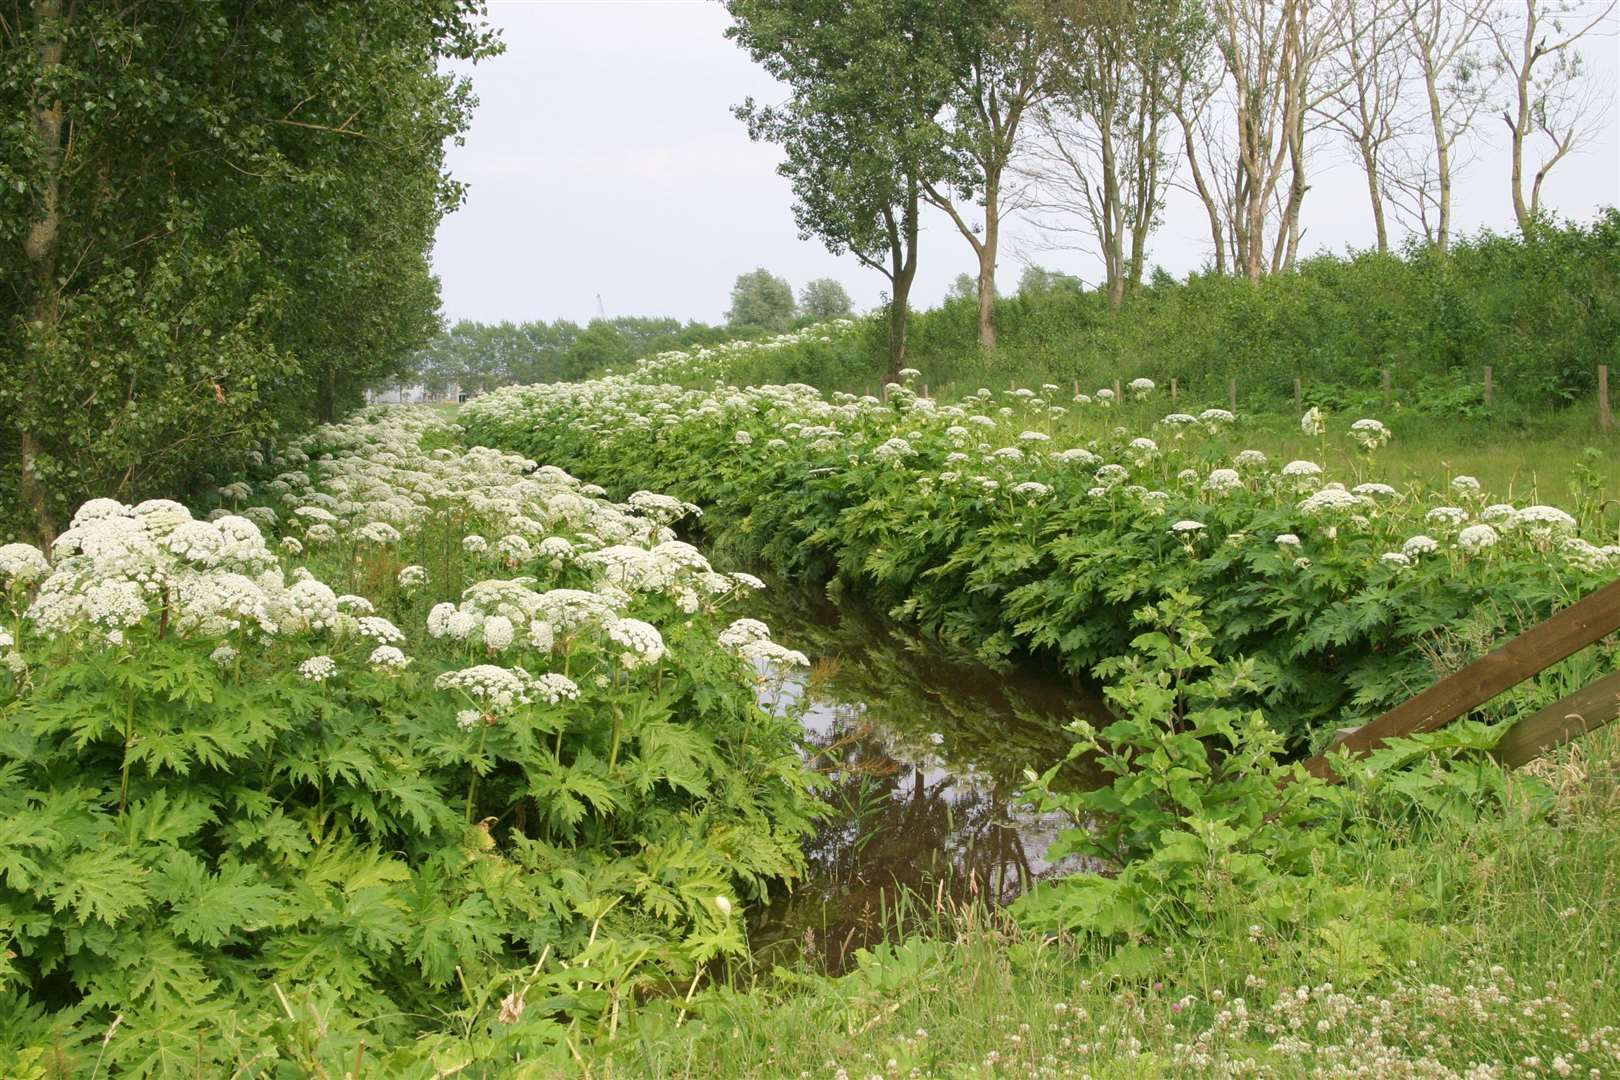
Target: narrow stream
{"type": "Point", "coordinates": [923, 751]}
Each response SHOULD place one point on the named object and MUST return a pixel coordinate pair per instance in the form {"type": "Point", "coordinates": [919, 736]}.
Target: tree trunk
{"type": "Point", "coordinates": [1369, 162]}
{"type": "Point", "coordinates": [987, 264]}
{"type": "Point", "coordinates": [903, 252]}
{"type": "Point", "coordinates": [1442, 150]}
{"type": "Point", "coordinates": [326, 395]}
{"type": "Point", "coordinates": [40, 247]}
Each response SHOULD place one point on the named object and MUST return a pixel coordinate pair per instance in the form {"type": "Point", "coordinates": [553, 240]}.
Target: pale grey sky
{"type": "Point", "coordinates": [603, 160]}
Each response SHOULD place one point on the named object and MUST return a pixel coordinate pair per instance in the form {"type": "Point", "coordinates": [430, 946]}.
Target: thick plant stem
{"type": "Point", "coordinates": [129, 730]}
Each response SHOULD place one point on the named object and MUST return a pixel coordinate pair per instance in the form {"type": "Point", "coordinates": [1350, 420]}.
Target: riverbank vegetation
{"type": "Point", "coordinates": [1006, 525]}
{"type": "Point", "coordinates": [403, 746]}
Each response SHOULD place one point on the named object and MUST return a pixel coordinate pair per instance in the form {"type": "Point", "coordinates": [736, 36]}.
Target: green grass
{"type": "Point", "coordinates": [1513, 967]}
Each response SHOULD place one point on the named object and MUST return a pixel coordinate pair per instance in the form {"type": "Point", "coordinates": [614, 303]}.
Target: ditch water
{"type": "Point", "coordinates": [923, 751]}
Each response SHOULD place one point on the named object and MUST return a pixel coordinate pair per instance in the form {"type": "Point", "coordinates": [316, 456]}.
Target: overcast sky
{"type": "Point", "coordinates": [603, 163]}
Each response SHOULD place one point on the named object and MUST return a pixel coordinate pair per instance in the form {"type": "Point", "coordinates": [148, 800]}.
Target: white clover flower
{"type": "Point", "coordinates": [1312, 423]}
{"type": "Point", "coordinates": [317, 669]}
{"type": "Point", "coordinates": [1288, 540]}
{"type": "Point", "coordinates": [1371, 434]}
{"type": "Point", "coordinates": [1396, 558]}
{"type": "Point", "coordinates": [23, 563]}
{"type": "Point", "coordinates": [1476, 538]}
{"type": "Point", "coordinates": [1221, 481]}
{"type": "Point", "coordinates": [1419, 545]}
{"type": "Point", "coordinates": [412, 577]}
{"type": "Point", "coordinates": [389, 658]}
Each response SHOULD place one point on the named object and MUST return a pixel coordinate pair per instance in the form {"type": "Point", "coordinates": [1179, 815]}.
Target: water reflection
{"type": "Point", "coordinates": [923, 751]}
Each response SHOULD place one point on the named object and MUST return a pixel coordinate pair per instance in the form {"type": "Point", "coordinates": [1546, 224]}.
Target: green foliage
{"type": "Point", "coordinates": [822, 299]}
{"type": "Point", "coordinates": [216, 220]}
{"type": "Point", "coordinates": [248, 866]}
{"type": "Point", "coordinates": [1205, 826]}
{"type": "Point", "coordinates": [760, 298]}
{"type": "Point", "coordinates": [1543, 313]}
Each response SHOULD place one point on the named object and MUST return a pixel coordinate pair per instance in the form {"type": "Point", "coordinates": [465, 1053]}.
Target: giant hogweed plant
{"type": "Point", "coordinates": [973, 523]}
{"type": "Point", "coordinates": [1203, 831]}
{"type": "Point", "coordinates": [240, 806]}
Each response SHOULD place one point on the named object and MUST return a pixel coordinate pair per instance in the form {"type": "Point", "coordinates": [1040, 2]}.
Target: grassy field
{"type": "Point", "coordinates": [1503, 964]}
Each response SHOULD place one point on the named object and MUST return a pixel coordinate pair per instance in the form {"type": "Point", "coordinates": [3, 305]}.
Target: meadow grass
{"type": "Point", "coordinates": [1510, 973]}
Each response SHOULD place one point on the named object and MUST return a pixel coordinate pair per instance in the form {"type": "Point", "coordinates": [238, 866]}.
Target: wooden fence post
{"type": "Point", "coordinates": [1077, 388]}
{"type": "Point", "coordinates": [1389, 393]}
{"type": "Point", "coordinates": [1231, 392]}
{"type": "Point", "coordinates": [1175, 391]}
{"type": "Point", "coordinates": [1299, 396]}
{"type": "Point", "coordinates": [1490, 388]}
{"type": "Point", "coordinates": [1605, 418]}
{"type": "Point", "coordinates": [1117, 395]}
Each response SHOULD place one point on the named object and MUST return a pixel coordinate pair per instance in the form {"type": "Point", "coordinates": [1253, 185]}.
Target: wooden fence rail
{"type": "Point", "coordinates": [1536, 649]}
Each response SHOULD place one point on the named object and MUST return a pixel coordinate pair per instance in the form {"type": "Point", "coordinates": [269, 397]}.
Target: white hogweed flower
{"type": "Point", "coordinates": [389, 658]}
{"type": "Point", "coordinates": [1476, 538]}
{"type": "Point", "coordinates": [317, 669]}
{"type": "Point", "coordinates": [1312, 423]}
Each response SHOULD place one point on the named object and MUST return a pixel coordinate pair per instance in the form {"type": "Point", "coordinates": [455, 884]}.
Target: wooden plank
{"type": "Point", "coordinates": [1231, 393]}
{"type": "Point", "coordinates": [1389, 394]}
{"type": "Point", "coordinates": [1538, 648]}
{"type": "Point", "coordinates": [1175, 391]}
{"type": "Point", "coordinates": [1490, 387]}
{"type": "Point", "coordinates": [1580, 712]}
{"type": "Point", "coordinates": [1299, 394]}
